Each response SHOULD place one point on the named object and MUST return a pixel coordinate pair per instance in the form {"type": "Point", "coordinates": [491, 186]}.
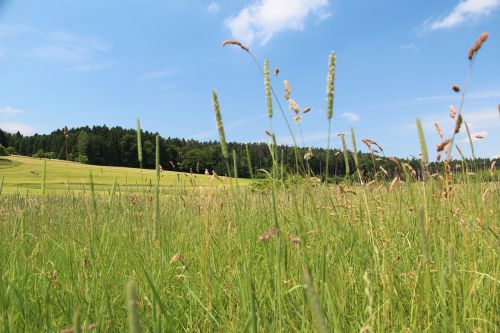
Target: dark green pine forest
{"type": "Point", "coordinates": [117, 146]}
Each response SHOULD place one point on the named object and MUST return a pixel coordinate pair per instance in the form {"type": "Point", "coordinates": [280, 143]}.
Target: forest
{"type": "Point", "coordinates": [117, 146]}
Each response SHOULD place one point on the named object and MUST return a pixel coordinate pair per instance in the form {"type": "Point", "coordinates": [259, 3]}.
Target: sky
{"type": "Point", "coordinates": [95, 62]}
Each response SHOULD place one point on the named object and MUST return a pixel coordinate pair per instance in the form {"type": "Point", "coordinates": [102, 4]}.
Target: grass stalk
{"type": "Point", "coordinates": [157, 190]}
{"type": "Point", "coordinates": [134, 325]}
{"type": "Point", "coordinates": [139, 142]}
{"type": "Point", "coordinates": [346, 156]}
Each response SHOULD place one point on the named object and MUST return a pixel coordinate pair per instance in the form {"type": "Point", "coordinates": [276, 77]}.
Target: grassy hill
{"type": "Point", "coordinates": [26, 174]}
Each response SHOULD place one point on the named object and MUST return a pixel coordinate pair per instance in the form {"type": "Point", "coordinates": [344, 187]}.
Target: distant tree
{"type": "Point", "coordinates": [3, 151]}
{"type": "Point", "coordinates": [82, 159]}
{"type": "Point", "coordinates": [11, 150]}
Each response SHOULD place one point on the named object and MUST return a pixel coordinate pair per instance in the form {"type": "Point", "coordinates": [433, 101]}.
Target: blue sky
{"type": "Point", "coordinates": [108, 62]}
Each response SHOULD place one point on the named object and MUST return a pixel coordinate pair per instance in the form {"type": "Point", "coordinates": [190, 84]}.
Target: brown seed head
{"type": "Point", "coordinates": [458, 123]}
{"type": "Point", "coordinates": [455, 88]}
{"type": "Point", "coordinates": [276, 71]}
{"type": "Point", "coordinates": [492, 167]}
{"type": "Point", "coordinates": [237, 43]}
{"type": "Point", "coordinates": [306, 110]}
{"type": "Point", "coordinates": [443, 144]}
{"type": "Point", "coordinates": [479, 136]}
{"type": "Point", "coordinates": [477, 45]}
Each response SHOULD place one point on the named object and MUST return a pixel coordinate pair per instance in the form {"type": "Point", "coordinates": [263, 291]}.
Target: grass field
{"type": "Point", "coordinates": [24, 174]}
{"type": "Point", "coordinates": [184, 253]}
{"type": "Point", "coordinates": [226, 259]}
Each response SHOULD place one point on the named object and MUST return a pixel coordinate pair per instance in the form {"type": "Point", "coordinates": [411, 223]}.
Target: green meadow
{"type": "Point", "coordinates": [341, 258]}
{"type": "Point", "coordinates": [25, 174]}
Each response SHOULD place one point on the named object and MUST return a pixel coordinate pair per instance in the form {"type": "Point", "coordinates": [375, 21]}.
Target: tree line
{"type": "Point", "coordinates": [117, 146]}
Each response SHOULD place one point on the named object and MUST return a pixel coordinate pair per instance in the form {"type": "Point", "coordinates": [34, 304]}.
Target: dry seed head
{"type": "Point", "coordinates": [297, 118]}
{"type": "Point", "coordinates": [308, 155]}
{"type": "Point", "coordinates": [453, 111]}
{"type": "Point", "coordinates": [288, 89]}
{"type": "Point", "coordinates": [276, 71]}
{"type": "Point", "coordinates": [265, 236]}
{"type": "Point", "coordinates": [384, 171]}
{"type": "Point", "coordinates": [458, 124]}
{"type": "Point", "coordinates": [477, 45]}
{"type": "Point", "coordinates": [269, 133]}
{"type": "Point", "coordinates": [307, 110]}
{"type": "Point", "coordinates": [330, 88]}
{"type": "Point", "coordinates": [479, 136]}
{"type": "Point", "coordinates": [393, 183]}
{"type": "Point", "coordinates": [443, 144]}
{"type": "Point", "coordinates": [237, 43]}
{"type": "Point", "coordinates": [293, 106]}
{"type": "Point", "coordinates": [455, 88]}
{"type": "Point", "coordinates": [438, 130]}
{"type": "Point", "coordinates": [175, 257]}
{"type": "Point", "coordinates": [492, 167]}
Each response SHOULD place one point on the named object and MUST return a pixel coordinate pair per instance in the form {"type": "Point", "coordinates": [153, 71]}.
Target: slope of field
{"type": "Point", "coordinates": [26, 173]}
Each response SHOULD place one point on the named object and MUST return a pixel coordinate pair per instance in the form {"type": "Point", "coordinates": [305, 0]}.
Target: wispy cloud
{"type": "Point", "coordinates": [157, 74]}
{"type": "Point", "coordinates": [10, 111]}
{"type": "Point", "coordinates": [351, 116]}
{"type": "Point", "coordinates": [80, 53]}
{"type": "Point", "coordinates": [409, 47]}
{"type": "Point", "coordinates": [213, 8]}
{"type": "Point", "coordinates": [261, 20]}
{"type": "Point", "coordinates": [308, 139]}
{"type": "Point", "coordinates": [465, 11]}
{"type": "Point", "coordinates": [17, 127]}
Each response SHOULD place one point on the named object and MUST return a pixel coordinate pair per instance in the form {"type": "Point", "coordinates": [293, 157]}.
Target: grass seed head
{"type": "Point", "coordinates": [330, 85]}
{"type": "Point", "coordinates": [453, 111]}
{"type": "Point", "coordinates": [477, 45]}
{"type": "Point", "coordinates": [267, 85]}
{"type": "Point", "coordinates": [438, 129]}
{"type": "Point", "coordinates": [458, 124]}
{"type": "Point", "coordinates": [455, 88]}
{"type": "Point", "coordinates": [220, 125]}
{"type": "Point", "coordinates": [237, 43]}
{"type": "Point", "coordinates": [440, 147]}
{"type": "Point", "coordinates": [288, 89]}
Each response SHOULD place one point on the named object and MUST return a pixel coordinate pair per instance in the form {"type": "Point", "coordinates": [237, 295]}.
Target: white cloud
{"type": "Point", "coordinates": [260, 21]}
{"type": "Point", "coordinates": [213, 8]}
{"type": "Point", "coordinates": [15, 127]}
{"type": "Point", "coordinates": [10, 111]}
{"type": "Point", "coordinates": [465, 11]}
{"type": "Point", "coordinates": [157, 74]}
{"type": "Point", "coordinates": [351, 116]}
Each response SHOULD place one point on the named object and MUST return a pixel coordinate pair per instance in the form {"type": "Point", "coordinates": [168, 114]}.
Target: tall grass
{"type": "Point", "coordinates": [410, 256]}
